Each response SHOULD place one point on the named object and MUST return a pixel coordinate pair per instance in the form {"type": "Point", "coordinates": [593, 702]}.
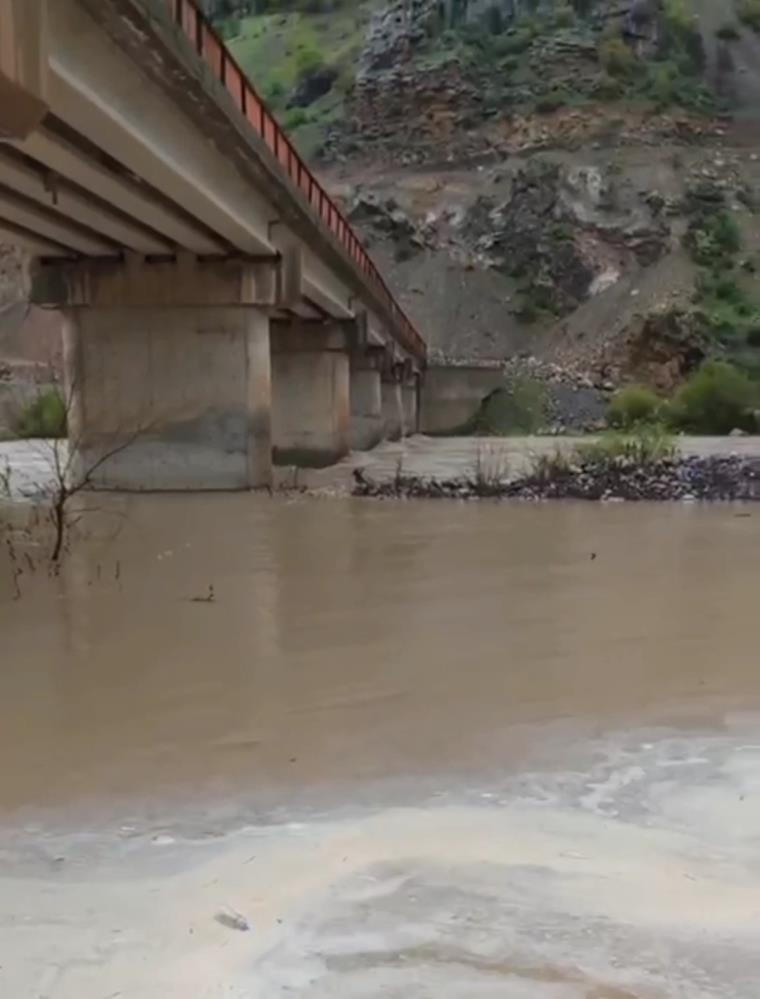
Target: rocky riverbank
{"type": "Point", "coordinates": [724, 477]}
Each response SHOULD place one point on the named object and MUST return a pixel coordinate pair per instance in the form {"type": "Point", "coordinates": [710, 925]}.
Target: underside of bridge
{"type": "Point", "coordinates": [219, 309]}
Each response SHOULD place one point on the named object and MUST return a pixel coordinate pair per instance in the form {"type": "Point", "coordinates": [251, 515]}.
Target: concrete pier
{"type": "Point", "coordinates": [392, 408]}
{"type": "Point", "coordinates": [167, 373]}
{"type": "Point", "coordinates": [176, 398]}
{"type": "Point", "coordinates": [367, 428]}
{"type": "Point", "coordinates": [409, 407]}
{"type": "Point", "coordinates": [311, 409]}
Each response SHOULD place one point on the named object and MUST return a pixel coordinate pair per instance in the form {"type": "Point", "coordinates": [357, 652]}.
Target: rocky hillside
{"type": "Point", "coordinates": [570, 179]}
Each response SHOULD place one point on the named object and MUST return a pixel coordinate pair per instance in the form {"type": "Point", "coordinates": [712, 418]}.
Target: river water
{"type": "Point", "coordinates": [423, 749]}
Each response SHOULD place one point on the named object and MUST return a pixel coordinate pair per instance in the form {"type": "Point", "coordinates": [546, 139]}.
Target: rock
{"type": "Point", "coordinates": [313, 85]}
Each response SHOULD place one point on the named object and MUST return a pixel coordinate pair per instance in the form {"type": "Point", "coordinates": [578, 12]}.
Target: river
{"type": "Point", "coordinates": [422, 749]}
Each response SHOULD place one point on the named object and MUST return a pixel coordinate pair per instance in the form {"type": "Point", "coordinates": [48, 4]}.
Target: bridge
{"type": "Point", "coordinates": [220, 311]}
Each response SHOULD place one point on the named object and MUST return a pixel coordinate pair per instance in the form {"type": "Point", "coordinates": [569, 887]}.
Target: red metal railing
{"type": "Point", "coordinates": [212, 50]}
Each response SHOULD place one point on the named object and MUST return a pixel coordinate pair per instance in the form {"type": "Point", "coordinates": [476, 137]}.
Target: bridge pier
{"type": "Point", "coordinates": [367, 426]}
{"type": "Point", "coordinates": [410, 406]}
{"type": "Point", "coordinates": [311, 415]}
{"type": "Point", "coordinates": [392, 407]}
{"type": "Point", "coordinates": [168, 382]}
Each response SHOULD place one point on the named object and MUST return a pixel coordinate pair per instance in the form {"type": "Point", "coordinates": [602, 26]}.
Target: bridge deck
{"type": "Point", "coordinates": [210, 47]}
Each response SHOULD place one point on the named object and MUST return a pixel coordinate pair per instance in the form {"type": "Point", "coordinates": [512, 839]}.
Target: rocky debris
{"type": "Point", "coordinates": [730, 477]}
{"type": "Point", "coordinates": [660, 349]}
{"type": "Point", "coordinates": [395, 31]}
{"type": "Point", "coordinates": [383, 217]}
{"type": "Point", "coordinates": [561, 235]}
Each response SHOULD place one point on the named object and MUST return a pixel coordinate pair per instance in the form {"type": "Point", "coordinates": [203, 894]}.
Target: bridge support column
{"type": "Point", "coordinates": [367, 425]}
{"type": "Point", "coordinates": [410, 406]}
{"type": "Point", "coordinates": [392, 407]}
{"type": "Point", "coordinates": [167, 378]}
{"type": "Point", "coordinates": [311, 417]}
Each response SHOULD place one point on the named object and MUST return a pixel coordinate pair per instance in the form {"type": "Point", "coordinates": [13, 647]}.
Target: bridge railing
{"type": "Point", "coordinates": [210, 47]}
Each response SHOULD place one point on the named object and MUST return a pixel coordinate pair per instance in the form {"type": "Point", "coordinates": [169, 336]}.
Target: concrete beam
{"type": "Point", "coordinates": [137, 284]}
{"type": "Point", "coordinates": [60, 157]}
{"type": "Point", "coordinates": [103, 95]}
{"type": "Point", "coordinates": [53, 227]}
{"type": "Point", "coordinates": [37, 184]}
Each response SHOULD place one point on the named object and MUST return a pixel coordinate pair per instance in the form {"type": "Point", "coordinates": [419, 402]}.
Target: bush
{"type": "Point", "coordinates": [715, 400]}
{"type": "Point", "coordinates": [294, 118]}
{"type": "Point", "coordinates": [552, 101]}
{"type": "Point", "coordinates": [749, 13]}
{"type": "Point", "coordinates": [308, 59]}
{"type": "Point", "coordinates": [728, 32]}
{"type": "Point", "coordinates": [44, 416]}
{"type": "Point", "coordinates": [713, 237]}
{"type": "Point", "coordinates": [616, 57]}
{"type": "Point", "coordinates": [646, 446]}
{"type": "Point", "coordinates": [633, 406]}
{"type": "Point", "coordinates": [518, 408]}
{"type": "Point", "coordinates": [563, 15]}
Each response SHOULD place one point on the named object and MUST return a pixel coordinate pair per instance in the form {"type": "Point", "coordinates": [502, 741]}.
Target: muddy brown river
{"type": "Point", "coordinates": [256, 748]}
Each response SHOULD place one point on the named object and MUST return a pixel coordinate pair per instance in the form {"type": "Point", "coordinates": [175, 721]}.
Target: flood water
{"type": "Point", "coordinates": [425, 749]}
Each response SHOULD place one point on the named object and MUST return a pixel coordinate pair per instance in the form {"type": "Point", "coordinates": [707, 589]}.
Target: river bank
{"type": "Point", "coordinates": [31, 470]}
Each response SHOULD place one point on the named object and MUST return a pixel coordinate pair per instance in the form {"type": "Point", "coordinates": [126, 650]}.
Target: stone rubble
{"type": "Point", "coordinates": [692, 478]}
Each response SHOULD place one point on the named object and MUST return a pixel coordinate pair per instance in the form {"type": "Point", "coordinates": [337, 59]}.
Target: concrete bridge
{"type": "Point", "coordinates": [220, 311]}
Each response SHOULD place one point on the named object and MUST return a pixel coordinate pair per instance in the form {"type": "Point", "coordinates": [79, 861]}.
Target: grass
{"type": "Point", "coordinates": [632, 406]}
{"type": "Point", "coordinates": [646, 446]}
{"type": "Point", "coordinates": [275, 49]}
{"type": "Point", "coordinates": [44, 416]}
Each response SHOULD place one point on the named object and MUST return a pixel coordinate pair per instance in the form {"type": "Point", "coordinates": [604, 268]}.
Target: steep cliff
{"type": "Point", "coordinates": [573, 179]}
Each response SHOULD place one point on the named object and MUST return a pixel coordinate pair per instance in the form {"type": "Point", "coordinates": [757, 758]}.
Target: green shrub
{"type": "Point", "coordinates": [230, 28]}
{"type": "Point", "coordinates": [518, 408]}
{"type": "Point", "coordinates": [749, 13]}
{"type": "Point", "coordinates": [563, 15]}
{"type": "Point", "coordinates": [616, 57]}
{"type": "Point", "coordinates": [681, 38]}
{"type": "Point", "coordinates": [607, 88]}
{"type": "Point", "coordinates": [728, 32]}
{"type": "Point", "coordinates": [647, 445]}
{"type": "Point", "coordinates": [294, 118]}
{"type": "Point", "coordinates": [632, 406]}
{"type": "Point", "coordinates": [715, 400]}
{"type": "Point", "coordinates": [552, 101]}
{"type": "Point", "coordinates": [44, 416]}
{"type": "Point", "coordinates": [712, 238]}
{"type": "Point", "coordinates": [308, 59]}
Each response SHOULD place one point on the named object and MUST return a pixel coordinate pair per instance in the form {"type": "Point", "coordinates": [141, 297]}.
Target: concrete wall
{"type": "Point", "coordinates": [450, 396]}
{"type": "Point", "coordinates": [183, 393]}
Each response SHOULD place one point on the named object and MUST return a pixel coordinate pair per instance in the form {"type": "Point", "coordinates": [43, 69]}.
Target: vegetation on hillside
{"type": "Point", "coordinates": [303, 55]}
